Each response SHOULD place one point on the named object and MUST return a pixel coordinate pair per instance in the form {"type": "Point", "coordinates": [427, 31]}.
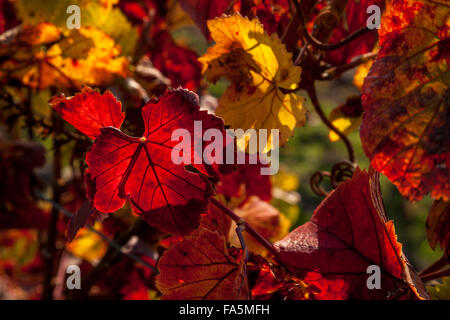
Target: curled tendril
{"type": "Point", "coordinates": [340, 172]}
{"type": "Point", "coordinates": [315, 181]}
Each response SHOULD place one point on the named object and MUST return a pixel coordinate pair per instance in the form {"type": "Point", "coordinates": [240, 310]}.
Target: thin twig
{"type": "Point", "coordinates": [435, 275]}
{"type": "Point", "coordinates": [337, 70]}
{"type": "Point", "coordinates": [438, 265]}
{"type": "Point", "coordinates": [239, 221]}
{"type": "Point", "coordinates": [312, 94]}
{"type": "Point", "coordinates": [301, 53]}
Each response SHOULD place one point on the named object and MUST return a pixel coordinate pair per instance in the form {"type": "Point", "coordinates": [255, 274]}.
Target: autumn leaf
{"type": "Point", "coordinates": [88, 245]}
{"type": "Point", "coordinates": [405, 125]}
{"type": "Point", "coordinates": [260, 71]}
{"type": "Point", "coordinates": [89, 111]}
{"type": "Point", "coordinates": [346, 117]}
{"type": "Point", "coordinates": [354, 18]}
{"type": "Point", "coordinates": [203, 10]}
{"type": "Point", "coordinates": [86, 213]}
{"type": "Point", "coordinates": [216, 220]}
{"type": "Point", "coordinates": [361, 73]}
{"type": "Point", "coordinates": [438, 226]}
{"type": "Point", "coordinates": [273, 14]}
{"type": "Point", "coordinates": [346, 234]}
{"type": "Point", "coordinates": [273, 281]}
{"type": "Point", "coordinates": [95, 14]}
{"type": "Point", "coordinates": [201, 267]}
{"type": "Point", "coordinates": [141, 169]}
{"type": "Point", "coordinates": [177, 63]}
{"type": "Point", "coordinates": [265, 219]}
{"type": "Point", "coordinates": [70, 59]}
{"type": "Point", "coordinates": [246, 181]}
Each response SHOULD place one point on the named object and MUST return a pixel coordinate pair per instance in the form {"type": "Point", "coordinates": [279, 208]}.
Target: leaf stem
{"type": "Point", "coordinates": [435, 275]}
{"type": "Point", "coordinates": [438, 265]}
{"type": "Point", "coordinates": [337, 70]}
{"type": "Point", "coordinates": [239, 221]}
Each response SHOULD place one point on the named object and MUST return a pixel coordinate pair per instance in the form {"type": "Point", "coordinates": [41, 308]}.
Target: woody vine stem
{"type": "Point", "coordinates": [240, 222]}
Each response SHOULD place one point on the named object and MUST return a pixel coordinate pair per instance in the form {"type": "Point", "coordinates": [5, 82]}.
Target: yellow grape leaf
{"type": "Point", "coordinates": [261, 73]}
{"type": "Point", "coordinates": [43, 34]}
{"type": "Point", "coordinates": [78, 57]}
{"type": "Point", "coordinates": [346, 117]}
{"type": "Point", "coordinates": [94, 13]}
{"type": "Point", "coordinates": [88, 245]}
{"type": "Point", "coordinates": [361, 74]}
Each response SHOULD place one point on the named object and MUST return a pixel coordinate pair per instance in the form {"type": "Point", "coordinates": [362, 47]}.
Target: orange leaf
{"type": "Point", "coordinates": [201, 267]}
{"type": "Point", "coordinates": [405, 125]}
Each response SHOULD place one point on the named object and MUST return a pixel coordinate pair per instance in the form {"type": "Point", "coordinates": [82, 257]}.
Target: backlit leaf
{"type": "Point", "coordinates": [201, 267]}
{"type": "Point", "coordinates": [438, 225]}
{"type": "Point", "coordinates": [85, 56]}
{"type": "Point", "coordinates": [405, 127]}
{"type": "Point", "coordinates": [89, 111]}
{"type": "Point", "coordinates": [346, 234]}
{"type": "Point", "coordinates": [346, 117]}
{"type": "Point", "coordinates": [259, 68]}
{"type": "Point", "coordinates": [165, 194]}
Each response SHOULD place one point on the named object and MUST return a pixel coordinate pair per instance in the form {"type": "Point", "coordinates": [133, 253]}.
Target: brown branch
{"type": "Point", "coordinates": [337, 70]}
{"type": "Point", "coordinates": [312, 94]}
{"type": "Point", "coordinates": [49, 251]}
{"type": "Point", "coordinates": [438, 265]}
{"type": "Point", "coordinates": [435, 275]}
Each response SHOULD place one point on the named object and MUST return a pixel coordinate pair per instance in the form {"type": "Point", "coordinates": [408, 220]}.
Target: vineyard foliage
{"type": "Point", "coordinates": [121, 152]}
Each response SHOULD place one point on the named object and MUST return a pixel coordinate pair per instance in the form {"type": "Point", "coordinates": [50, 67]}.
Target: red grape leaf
{"type": "Point", "coordinates": [354, 18]}
{"type": "Point", "coordinates": [216, 220]}
{"type": "Point", "coordinates": [203, 10]}
{"type": "Point", "coordinates": [178, 64]}
{"type": "Point", "coordinates": [88, 111]}
{"type": "Point", "coordinates": [345, 235]}
{"type": "Point", "coordinates": [438, 226]}
{"type": "Point", "coordinates": [273, 281]}
{"type": "Point", "coordinates": [201, 267]}
{"type": "Point", "coordinates": [249, 176]}
{"type": "Point", "coordinates": [405, 126]}
{"type": "Point", "coordinates": [163, 193]}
